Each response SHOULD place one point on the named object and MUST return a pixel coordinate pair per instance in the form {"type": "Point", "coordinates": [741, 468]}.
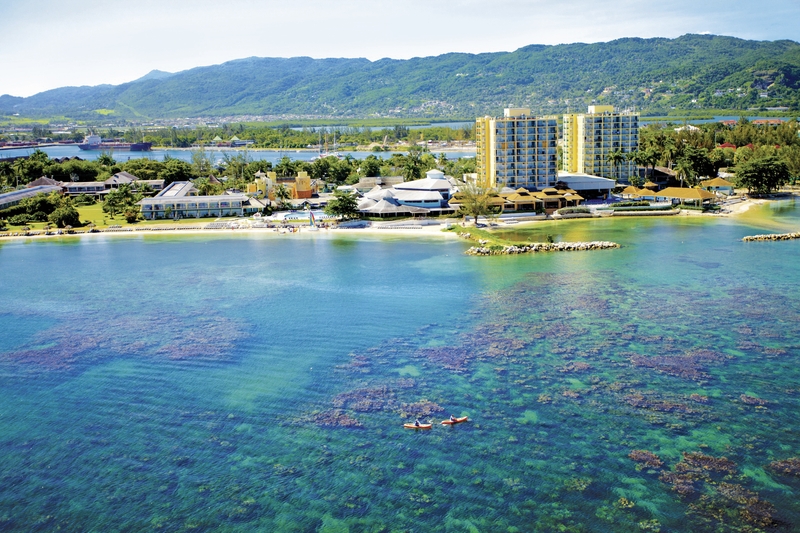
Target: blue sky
{"type": "Point", "coordinates": [46, 44]}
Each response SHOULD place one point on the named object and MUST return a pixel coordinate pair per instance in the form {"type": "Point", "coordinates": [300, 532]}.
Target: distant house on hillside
{"type": "Point", "coordinates": [767, 122]}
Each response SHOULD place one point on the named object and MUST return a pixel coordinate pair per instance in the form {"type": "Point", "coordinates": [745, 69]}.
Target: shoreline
{"type": "Point", "coordinates": [301, 231]}
{"type": "Point", "coordinates": [405, 229]}
{"type": "Point", "coordinates": [467, 149]}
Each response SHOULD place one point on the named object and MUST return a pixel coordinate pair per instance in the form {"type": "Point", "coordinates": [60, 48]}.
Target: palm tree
{"type": "Point", "coordinates": [477, 199]}
{"type": "Point", "coordinates": [651, 158]}
{"type": "Point", "coordinates": [285, 167]}
{"type": "Point", "coordinates": [6, 170]}
{"type": "Point", "coordinates": [671, 151]}
{"type": "Point", "coordinates": [19, 169]}
{"type": "Point", "coordinates": [684, 170]}
{"type": "Point", "coordinates": [615, 158]}
{"type": "Point", "coordinates": [412, 164]}
{"type": "Point", "coordinates": [283, 195]}
{"type": "Point", "coordinates": [105, 159]}
{"type": "Point", "coordinates": [204, 187]}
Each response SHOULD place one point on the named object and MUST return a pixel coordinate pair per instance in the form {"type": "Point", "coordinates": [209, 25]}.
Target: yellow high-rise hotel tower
{"type": "Point", "coordinates": [589, 139]}
{"type": "Point", "coordinates": [517, 150]}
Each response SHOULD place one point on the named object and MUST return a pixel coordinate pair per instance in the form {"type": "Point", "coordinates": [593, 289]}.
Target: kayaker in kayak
{"type": "Point", "coordinates": [452, 418]}
{"type": "Point", "coordinates": [416, 422]}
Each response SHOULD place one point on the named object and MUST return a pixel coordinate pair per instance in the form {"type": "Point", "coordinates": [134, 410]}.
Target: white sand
{"type": "Point", "coordinates": [376, 229]}
{"type": "Point", "coordinates": [432, 231]}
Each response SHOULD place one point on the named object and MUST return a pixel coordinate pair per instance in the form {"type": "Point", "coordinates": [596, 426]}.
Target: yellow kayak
{"type": "Point", "coordinates": [456, 421]}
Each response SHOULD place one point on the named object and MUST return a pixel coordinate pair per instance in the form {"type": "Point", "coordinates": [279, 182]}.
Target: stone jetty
{"type": "Point", "coordinates": [773, 237]}
{"type": "Point", "coordinates": [541, 247]}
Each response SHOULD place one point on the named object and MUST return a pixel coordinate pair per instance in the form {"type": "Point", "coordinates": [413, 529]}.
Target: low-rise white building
{"type": "Point", "coordinates": [429, 195]}
{"type": "Point", "coordinates": [180, 200]}
{"type": "Point", "coordinates": [587, 185]}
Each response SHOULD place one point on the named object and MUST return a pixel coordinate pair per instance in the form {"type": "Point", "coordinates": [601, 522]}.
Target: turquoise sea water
{"type": "Point", "coordinates": [260, 383]}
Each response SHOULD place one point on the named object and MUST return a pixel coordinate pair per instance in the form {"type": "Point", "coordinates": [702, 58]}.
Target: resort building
{"type": "Point", "coordinates": [589, 187]}
{"type": "Point", "coordinates": [367, 184]}
{"type": "Point", "coordinates": [521, 200]}
{"type": "Point", "coordinates": [590, 138]}
{"type": "Point", "coordinates": [44, 180]}
{"type": "Point", "coordinates": [12, 198]}
{"type": "Point", "coordinates": [300, 187]}
{"type": "Point", "coordinates": [427, 196]}
{"type": "Point", "coordinates": [546, 201]}
{"type": "Point", "coordinates": [91, 188]}
{"type": "Point", "coordinates": [718, 185]}
{"type": "Point", "coordinates": [517, 150]}
{"type": "Point", "coordinates": [99, 188]}
{"type": "Point", "coordinates": [180, 200]}
{"type": "Point", "coordinates": [434, 182]}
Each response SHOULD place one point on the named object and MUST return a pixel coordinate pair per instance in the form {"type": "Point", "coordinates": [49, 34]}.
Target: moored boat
{"type": "Point", "coordinates": [94, 142]}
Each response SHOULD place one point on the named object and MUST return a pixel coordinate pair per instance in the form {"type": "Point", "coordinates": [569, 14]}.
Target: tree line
{"type": "Point", "coordinates": [764, 158]}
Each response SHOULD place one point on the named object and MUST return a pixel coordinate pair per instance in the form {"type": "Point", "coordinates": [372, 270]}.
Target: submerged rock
{"type": "Point", "coordinates": [788, 467]}
{"type": "Point", "coordinates": [646, 458]}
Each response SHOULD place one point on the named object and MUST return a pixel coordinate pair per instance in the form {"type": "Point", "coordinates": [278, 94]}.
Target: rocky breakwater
{"type": "Point", "coordinates": [773, 237]}
{"type": "Point", "coordinates": [541, 247]}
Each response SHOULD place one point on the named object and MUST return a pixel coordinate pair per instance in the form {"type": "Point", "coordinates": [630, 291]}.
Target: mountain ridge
{"type": "Point", "coordinates": [652, 75]}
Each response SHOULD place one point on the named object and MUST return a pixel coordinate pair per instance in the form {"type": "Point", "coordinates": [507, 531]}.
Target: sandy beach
{"type": "Point", "coordinates": [427, 231]}
{"type": "Point", "coordinates": [403, 229]}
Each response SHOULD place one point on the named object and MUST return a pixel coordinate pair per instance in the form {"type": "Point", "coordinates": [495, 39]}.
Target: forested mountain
{"type": "Point", "coordinates": [654, 75]}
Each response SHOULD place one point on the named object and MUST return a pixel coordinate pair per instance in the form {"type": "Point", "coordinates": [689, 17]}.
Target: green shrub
{"type": "Point", "coordinates": [131, 215]}
{"type": "Point", "coordinates": [83, 199]}
{"type": "Point", "coordinates": [573, 210]}
{"type": "Point", "coordinates": [630, 204]}
{"type": "Point", "coordinates": [21, 219]}
{"type": "Point", "coordinates": [645, 208]}
{"type": "Point", "coordinates": [13, 210]}
{"type": "Point", "coordinates": [64, 216]}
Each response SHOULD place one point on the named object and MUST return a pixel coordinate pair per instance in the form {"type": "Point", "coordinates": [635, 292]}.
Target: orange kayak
{"type": "Point", "coordinates": [456, 421]}
{"type": "Point", "coordinates": [421, 426]}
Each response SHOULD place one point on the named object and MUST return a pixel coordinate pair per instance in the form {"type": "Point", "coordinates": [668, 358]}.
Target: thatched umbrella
{"type": "Point", "coordinates": [684, 194]}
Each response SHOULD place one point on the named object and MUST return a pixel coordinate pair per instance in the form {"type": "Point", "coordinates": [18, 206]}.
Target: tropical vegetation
{"type": "Point", "coordinates": [692, 72]}
{"type": "Point", "coordinates": [760, 156]}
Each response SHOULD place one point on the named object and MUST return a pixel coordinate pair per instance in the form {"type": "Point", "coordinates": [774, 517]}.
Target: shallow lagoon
{"type": "Point", "coordinates": [259, 382]}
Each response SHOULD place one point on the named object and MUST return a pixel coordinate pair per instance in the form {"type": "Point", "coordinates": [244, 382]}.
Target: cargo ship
{"type": "Point", "coordinates": [94, 142]}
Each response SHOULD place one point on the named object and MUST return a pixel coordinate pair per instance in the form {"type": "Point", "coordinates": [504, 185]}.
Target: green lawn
{"type": "Point", "coordinates": [94, 214]}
